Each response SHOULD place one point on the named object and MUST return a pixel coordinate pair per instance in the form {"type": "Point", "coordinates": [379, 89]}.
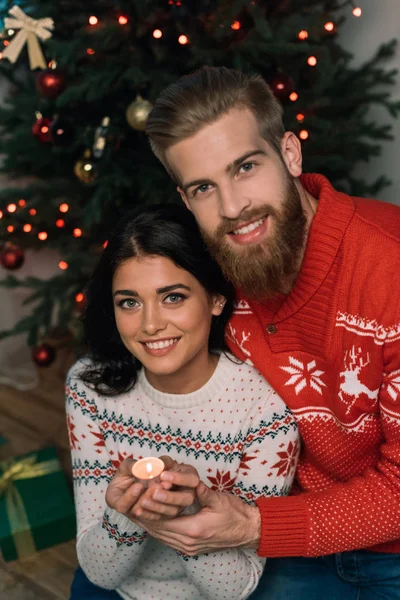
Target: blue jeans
{"type": "Point", "coordinates": [357, 575]}
{"type": "Point", "coordinates": [83, 589]}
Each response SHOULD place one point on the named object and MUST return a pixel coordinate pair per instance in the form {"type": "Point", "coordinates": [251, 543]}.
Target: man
{"type": "Point", "coordinates": [318, 313]}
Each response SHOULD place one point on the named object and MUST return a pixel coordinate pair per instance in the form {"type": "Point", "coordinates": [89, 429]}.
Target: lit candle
{"type": "Point", "coordinates": [148, 470]}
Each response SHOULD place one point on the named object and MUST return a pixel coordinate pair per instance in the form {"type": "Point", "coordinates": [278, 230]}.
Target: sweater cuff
{"type": "Point", "coordinates": [121, 528]}
{"type": "Point", "coordinates": [284, 526]}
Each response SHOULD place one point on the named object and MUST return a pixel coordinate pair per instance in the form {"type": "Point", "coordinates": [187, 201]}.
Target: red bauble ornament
{"type": "Point", "coordinates": [43, 355]}
{"type": "Point", "coordinates": [282, 85]}
{"type": "Point", "coordinates": [41, 129]}
{"type": "Point", "coordinates": [51, 82]}
{"type": "Point", "coordinates": [12, 257]}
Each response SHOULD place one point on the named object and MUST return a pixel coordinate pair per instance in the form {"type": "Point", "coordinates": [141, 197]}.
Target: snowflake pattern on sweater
{"type": "Point", "coordinates": [331, 349]}
{"type": "Point", "coordinates": [235, 430]}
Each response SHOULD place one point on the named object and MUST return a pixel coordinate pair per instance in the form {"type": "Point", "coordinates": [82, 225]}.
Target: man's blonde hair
{"type": "Point", "coordinates": [203, 97]}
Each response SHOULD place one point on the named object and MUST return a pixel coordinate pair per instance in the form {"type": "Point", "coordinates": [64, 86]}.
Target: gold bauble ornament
{"type": "Point", "coordinates": [137, 113]}
{"type": "Point", "coordinates": [85, 169]}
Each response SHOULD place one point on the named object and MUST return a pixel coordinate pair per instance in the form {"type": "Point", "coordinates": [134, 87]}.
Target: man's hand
{"type": "Point", "coordinates": [133, 500]}
{"type": "Point", "coordinates": [224, 521]}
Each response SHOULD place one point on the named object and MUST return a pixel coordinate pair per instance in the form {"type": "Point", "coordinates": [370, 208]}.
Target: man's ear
{"type": "Point", "coordinates": [184, 197]}
{"type": "Point", "coordinates": [291, 153]}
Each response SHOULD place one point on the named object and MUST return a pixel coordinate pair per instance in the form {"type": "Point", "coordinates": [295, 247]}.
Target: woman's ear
{"type": "Point", "coordinates": [218, 303]}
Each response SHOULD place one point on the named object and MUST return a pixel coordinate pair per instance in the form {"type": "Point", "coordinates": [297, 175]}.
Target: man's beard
{"type": "Point", "coordinates": [263, 270]}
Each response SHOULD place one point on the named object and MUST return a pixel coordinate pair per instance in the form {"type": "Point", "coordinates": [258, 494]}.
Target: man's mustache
{"type": "Point", "coordinates": [228, 225]}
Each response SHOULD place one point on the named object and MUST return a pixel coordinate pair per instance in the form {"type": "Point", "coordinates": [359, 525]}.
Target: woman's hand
{"type": "Point", "coordinates": [159, 500]}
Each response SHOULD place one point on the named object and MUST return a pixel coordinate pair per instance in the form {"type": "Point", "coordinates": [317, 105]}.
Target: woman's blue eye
{"type": "Point", "coordinates": [174, 298]}
{"type": "Point", "coordinates": [127, 303]}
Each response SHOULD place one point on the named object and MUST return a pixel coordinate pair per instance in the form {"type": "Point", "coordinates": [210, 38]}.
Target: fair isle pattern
{"type": "Point", "coordinates": [251, 494]}
{"type": "Point", "coordinates": [240, 340]}
{"type": "Point", "coordinates": [235, 431]}
{"type": "Point", "coordinates": [122, 537]}
{"type": "Point", "coordinates": [321, 415]}
{"type": "Point", "coordinates": [304, 375]}
{"type": "Point", "coordinates": [86, 472]}
{"type": "Point", "coordinates": [392, 383]}
{"type": "Point", "coordinates": [368, 327]}
{"type": "Point", "coordinates": [242, 308]}
{"type": "Point", "coordinates": [216, 445]}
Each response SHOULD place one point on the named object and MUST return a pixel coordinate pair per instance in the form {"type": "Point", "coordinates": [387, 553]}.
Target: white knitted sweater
{"type": "Point", "coordinates": [237, 433]}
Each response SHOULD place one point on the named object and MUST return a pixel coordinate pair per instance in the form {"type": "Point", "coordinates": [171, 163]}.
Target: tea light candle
{"type": "Point", "coordinates": [148, 470]}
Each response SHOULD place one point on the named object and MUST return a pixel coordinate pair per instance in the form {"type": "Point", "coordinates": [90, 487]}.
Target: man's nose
{"type": "Point", "coordinates": [152, 320]}
{"type": "Point", "coordinates": [232, 201]}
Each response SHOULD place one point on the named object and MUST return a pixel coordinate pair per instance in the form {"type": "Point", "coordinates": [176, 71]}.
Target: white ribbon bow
{"type": "Point", "coordinates": [30, 31]}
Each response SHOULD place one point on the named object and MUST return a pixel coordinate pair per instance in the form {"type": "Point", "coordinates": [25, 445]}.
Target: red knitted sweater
{"type": "Point", "coordinates": [331, 349]}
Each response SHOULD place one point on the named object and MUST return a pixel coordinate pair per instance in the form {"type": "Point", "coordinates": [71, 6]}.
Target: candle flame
{"type": "Point", "coordinates": [149, 468]}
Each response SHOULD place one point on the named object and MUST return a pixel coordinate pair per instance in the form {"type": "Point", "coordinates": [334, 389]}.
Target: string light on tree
{"type": "Point", "coordinates": [61, 132]}
{"type": "Point", "coordinates": [294, 96]}
{"type": "Point", "coordinates": [122, 20]}
{"type": "Point", "coordinates": [43, 235]}
{"type": "Point", "coordinates": [77, 232]}
{"type": "Point", "coordinates": [27, 228]}
{"type": "Point", "coordinates": [357, 11]}
{"type": "Point", "coordinates": [236, 25]}
{"type": "Point", "coordinates": [22, 203]}
{"type": "Point", "coordinates": [81, 301]}
{"type": "Point", "coordinates": [312, 61]}
{"type": "Point", "coordinates": [302, 35]}
{"type": "Point", "coordinates": [157, 34]}
{"type": "Point", "coordinates": [12, 208]}
{"type": "Point", "coordinates": [282, 85]}
{"type": "Point", "coordinates": [32, 212]}
{"type": "Point", "coordinates": [63, 265]}
{"type": "Point", "coordinates": [329, 26]}
{"type": "Point", "coordinates": [183, 40]}
{"type": "Point", "coordinates": [1, 214]}
{"type": "Point", "coordinates": [63, 208]}
{"type": "Point", "coordinates": [60, 223]}
{"type": "Point", "coordinates": [300, 117]}
{"type": "Point", "coordinates": [303, 135]}
{"type": "Point", "coordinates": [93, 20]}
{"type": "Point", "coordinates": [10, 228]}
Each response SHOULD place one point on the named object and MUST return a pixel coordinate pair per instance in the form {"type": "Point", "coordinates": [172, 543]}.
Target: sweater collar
{"type": "Point", "coordinates": [333, 214]}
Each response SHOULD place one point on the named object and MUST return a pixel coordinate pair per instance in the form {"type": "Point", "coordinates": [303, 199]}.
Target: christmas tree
{"type": "Point", "coordinates": [75, 117]}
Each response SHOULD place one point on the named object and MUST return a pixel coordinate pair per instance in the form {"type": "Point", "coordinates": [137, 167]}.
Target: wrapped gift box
{"type": "Point", "coordinates": [36, 506]}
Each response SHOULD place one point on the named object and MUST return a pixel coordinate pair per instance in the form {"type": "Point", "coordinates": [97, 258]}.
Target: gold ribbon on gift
{"type": "Point", "coordinates": [30, 30]}
{"type": "Point", "coordinates": [13, 470]}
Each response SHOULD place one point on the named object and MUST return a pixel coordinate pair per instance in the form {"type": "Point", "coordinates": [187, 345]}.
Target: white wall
{"type": "Point", "coordinates": [380, 22]}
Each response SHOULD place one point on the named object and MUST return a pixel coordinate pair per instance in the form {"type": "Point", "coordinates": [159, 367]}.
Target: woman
{"type": "Point", "coordinates": [157, 381]}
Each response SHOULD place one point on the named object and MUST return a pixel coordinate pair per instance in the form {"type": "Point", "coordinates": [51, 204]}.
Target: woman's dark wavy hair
{"type": "Point", "coordinates": [167, 230]}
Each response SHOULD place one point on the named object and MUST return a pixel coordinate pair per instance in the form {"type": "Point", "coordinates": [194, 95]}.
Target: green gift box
{"type": "Point", "coordinates": [36, 506]}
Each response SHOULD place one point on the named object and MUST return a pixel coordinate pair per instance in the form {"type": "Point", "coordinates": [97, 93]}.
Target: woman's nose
{"type": "Point", "coordinates": [152, 321]}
